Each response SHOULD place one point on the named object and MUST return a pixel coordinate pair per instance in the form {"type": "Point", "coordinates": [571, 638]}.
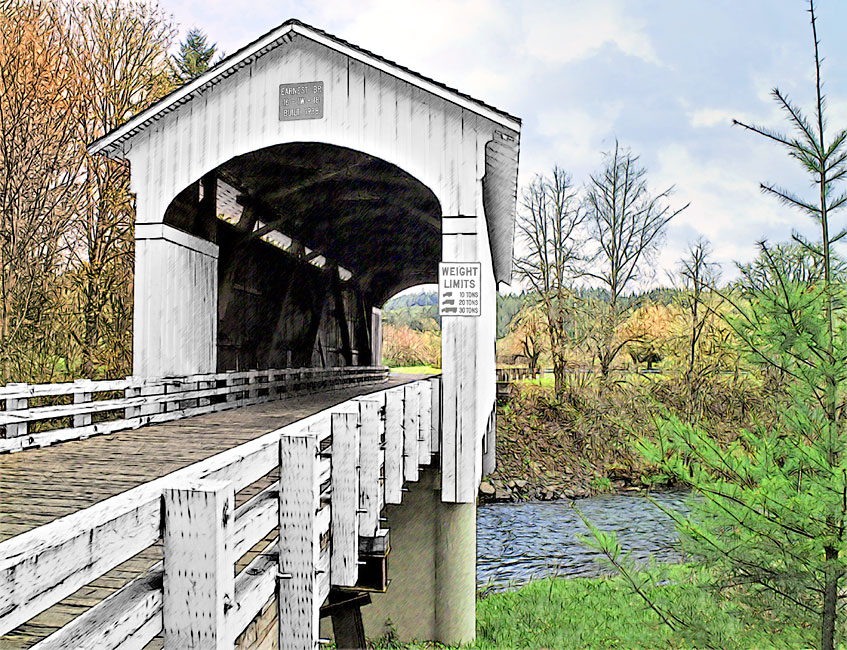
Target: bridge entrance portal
{"type": "Point", "coordinates": [280, 198]}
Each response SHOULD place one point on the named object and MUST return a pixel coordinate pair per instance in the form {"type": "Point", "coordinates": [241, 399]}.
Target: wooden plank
{"type": "Point", "coordinates": [54, 390]}
{"type": "Point", "coordinates": [369, 465]}
{"type": "Point", "coordinates": [345, 499]}
{"type": "Point", "coordinates": [198, 571]}
{"type": "Point", "coordinates": [299, 543]}
{"type": "Point", "coordinates": [411, 401]}
{"type": "Point", "coordinates": [128, 619]}
{"type": "Point", "coordinates": [254, 520]}
{"type": "Point", "coordinates": [394, 445]}
{"type": "Point", "coordinates": [254, 586]}
{"type": "Point", "coordinates": [489, 452]}
{"type": "Point", "coordinates": [41, 567]}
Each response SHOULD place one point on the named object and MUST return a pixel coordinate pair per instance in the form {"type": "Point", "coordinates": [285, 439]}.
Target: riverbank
{"type": "Point", "coordinates": [602, 613]}
{"type": "Point", "coordinates": [549, 450]}
{"type": "Point", "coordinates": [585, 443]}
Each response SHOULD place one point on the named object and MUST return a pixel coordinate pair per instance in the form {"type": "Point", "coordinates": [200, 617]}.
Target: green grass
{"type": "Point", "coordinates": [602, 613]}
{"type": "Point", "coordinates": [417, 370]}
{"type": "Point", "coordinates": [544, 379]}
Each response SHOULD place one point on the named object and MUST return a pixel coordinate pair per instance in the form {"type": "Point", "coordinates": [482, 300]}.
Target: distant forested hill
{"type": "Point", "coordinates": [419, 311]}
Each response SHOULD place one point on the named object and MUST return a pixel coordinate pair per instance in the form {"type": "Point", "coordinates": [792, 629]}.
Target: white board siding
{"type": "Point", "coordinates": [176, 305]}
{"type": "Point", "coordinates": [365, 109]}
{"type": "Point", "coordinates": [486, 380]}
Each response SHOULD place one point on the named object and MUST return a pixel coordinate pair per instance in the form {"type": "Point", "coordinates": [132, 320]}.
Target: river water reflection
{"type": "Point", "coordinates": [517, 542]}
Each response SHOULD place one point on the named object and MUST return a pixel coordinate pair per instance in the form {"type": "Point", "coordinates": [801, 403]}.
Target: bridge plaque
{"type": "Point", "coordinates": [301, 101]}
{"type": "Point", "coordinates": [459, 288]}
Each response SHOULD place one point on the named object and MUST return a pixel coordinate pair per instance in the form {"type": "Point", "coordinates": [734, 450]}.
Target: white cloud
{"type": "Point", "coordinates": [726, 208]}
{"type": "Point", "coordinates": [462, 43]}
{"type": "Point", "coordinates": [560, 33]}
{"type": "Point", "coordinates": [416, 28]}
{"type": "Point", "coordinates": [708, 117]}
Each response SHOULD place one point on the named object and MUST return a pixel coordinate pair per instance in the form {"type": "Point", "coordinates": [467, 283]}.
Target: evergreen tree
{"type": "Point", "coordinates": [771, 520]}
{"type": "Point", "coordinates": [194, 57]}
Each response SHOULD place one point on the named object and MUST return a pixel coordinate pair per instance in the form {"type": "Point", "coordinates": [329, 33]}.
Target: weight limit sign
{"type": "Point", "coordinates": [459, 285]}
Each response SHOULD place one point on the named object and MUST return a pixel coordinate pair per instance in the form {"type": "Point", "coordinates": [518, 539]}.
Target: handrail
{"type": "Point", "coordinates": [43, 566]}
{"type": "Point", "coordinates": [148, 401]}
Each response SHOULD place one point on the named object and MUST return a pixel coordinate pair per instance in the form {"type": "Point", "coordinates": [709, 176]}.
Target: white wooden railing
{"type": "Point", "coordinates": [146, 401]}
{"type": "Point", "coordinates": [337, 470]}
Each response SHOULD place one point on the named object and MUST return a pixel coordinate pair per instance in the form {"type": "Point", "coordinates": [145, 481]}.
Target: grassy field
{"type": "Point", "coordinates": [417, 370]}
{"type": "Point", "coordinates": [602, 613]}
{"type": "Point", "coordinates": [544, 379]}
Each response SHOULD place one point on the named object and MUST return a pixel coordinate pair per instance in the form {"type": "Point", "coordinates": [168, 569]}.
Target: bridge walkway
{"type": "Point", "coordinates": [38, 486]}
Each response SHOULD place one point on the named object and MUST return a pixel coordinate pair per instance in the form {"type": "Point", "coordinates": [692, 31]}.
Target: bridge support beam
{"type": "Point", "coordinates": [432, 568]}
{"type": "Point", "coordinates": [455, 573]}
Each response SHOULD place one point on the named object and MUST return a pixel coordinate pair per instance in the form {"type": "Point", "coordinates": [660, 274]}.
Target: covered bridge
{"type": "Point", "coordinates": [281, 198]}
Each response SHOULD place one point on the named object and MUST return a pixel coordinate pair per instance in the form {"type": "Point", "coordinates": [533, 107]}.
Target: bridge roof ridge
{"type": "Point", "coordinates": [269, 41]}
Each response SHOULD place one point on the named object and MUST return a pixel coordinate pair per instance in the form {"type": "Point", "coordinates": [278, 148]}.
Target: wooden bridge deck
{"type": "Point", "coordinates": [40, 485]}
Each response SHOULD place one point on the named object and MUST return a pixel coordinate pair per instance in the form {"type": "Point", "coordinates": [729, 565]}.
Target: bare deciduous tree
{"type": "Point", "coordinates": [39, 102]}
{"type": "Point", "coordinates": [698, 276]}
{"type": "Point", "coordinates": [123, 47]}
{"type": "Point", "coordinates": [626, 223]}
{"type": "Point", "coordinates": [550, 225]}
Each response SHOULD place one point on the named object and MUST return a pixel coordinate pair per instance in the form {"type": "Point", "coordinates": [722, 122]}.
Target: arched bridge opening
{"type": "Point", "coordinates": [311, 239]}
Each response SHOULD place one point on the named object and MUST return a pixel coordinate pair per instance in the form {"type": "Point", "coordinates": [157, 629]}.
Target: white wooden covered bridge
{"type": "Point", "coordinates": [281, 198]}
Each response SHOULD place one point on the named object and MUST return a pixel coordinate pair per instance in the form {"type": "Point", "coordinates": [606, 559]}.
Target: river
{"type": "Point", "coordinates": [517, 542]}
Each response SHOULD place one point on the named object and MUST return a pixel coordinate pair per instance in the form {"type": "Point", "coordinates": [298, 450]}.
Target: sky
{"type": "Point", "coordinates": [663, 77]}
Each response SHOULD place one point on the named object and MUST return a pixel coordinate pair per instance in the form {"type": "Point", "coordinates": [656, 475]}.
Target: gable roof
{"type": "Point", "coordinates": [110, 142]}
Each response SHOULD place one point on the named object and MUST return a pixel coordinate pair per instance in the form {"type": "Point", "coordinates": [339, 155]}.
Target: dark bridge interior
{"type": "Point", "coordinates": [312, 237]}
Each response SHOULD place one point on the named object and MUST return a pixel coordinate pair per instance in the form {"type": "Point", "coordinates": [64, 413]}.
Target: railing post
{"type": "Point", "coordinates": [411, 400]}
{"type": "Point", "coordinates": [205, 385]}
{"type": "Point", "coordinates": [273, 389]}
{"type": "Point", "coordinates": [299, 544]}
{"type": "Point", "coordinates": [394, 445]}
{"type": "Point", "coordinates": [425, 422]}
{"type": "Point", "coordinates": [152, 391]}
{"type": "Point", "coordinates": [82, 396]}
{"type": "Point", "coordinates": [131, 391]}
{"type": "Point", "coordinates": [177, 388]}
{"type": "Point", "coordinates": [199, 587]}
{"type": "Point", "coordinates": [230, 382]}
{"type": "Point", "coordinates": [369, 462]}
{"type": "Point", "coordinates": [18, 404]}
{"type": "Point", "coordinates": [345, 499]}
